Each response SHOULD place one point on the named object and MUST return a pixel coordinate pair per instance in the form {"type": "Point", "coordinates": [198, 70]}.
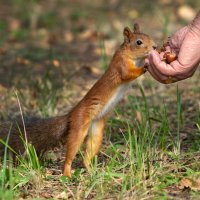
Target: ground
{"type": "Point", "coordinates": [51, 54]}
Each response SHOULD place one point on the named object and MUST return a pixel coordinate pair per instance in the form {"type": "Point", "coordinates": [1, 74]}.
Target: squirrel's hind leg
{"type": "Point", "coordinates": [93, 141]}
{"type": "Point", "coordinates": [75, 138]}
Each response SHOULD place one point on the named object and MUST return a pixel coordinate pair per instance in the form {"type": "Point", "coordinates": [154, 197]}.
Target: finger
{"type": "Point", "coordinates": [162, 78]}
{"type": "Point", "coordinates": [172, 49]}
{"type": "Point", "coordinates": [162, 55]}
{"type": "Point", "coordinates": [162, 67]}
{"type": "Point", "coordinates": [153, 68]}
{"type": "Point", "coordinates": [167, 49]}
{"type": "Point", "coordinates": [153, 74]}
{"type": "Point", "coordinates": [146, 62]}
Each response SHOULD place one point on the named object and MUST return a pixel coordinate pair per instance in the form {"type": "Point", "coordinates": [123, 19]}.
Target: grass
{"type": "Point", "coordinates": [151, 142]}
{"type": "Point", "coordinates": [143, 154]}
{"type": "Point", "coordinates": [28, 170]}
{"type": "Point", "coordinates": [141, 159]}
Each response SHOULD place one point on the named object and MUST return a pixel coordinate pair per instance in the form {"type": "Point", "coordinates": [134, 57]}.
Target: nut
{"type": "Point", "coordinates": [169, 57]}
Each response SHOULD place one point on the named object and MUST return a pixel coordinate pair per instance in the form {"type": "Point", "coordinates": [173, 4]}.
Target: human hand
{"type": "Point", "coordinates": [186, 44]}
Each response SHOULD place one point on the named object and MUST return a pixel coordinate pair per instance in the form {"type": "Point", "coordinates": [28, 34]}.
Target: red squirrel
{"type": "Point", "coordinates": [86, 121]}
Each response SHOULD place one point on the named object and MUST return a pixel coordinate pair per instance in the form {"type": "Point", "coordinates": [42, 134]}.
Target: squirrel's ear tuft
{"type": "Point", "coordinates": [136, 28]}
{"type": "Point", "coordinates": [127, 34]}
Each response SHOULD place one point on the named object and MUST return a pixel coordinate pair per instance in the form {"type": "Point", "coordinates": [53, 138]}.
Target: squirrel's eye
{"type": "Point", "coordinates": [139, 42]}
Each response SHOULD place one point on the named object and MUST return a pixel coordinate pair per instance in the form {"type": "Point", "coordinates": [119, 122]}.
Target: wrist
{"type": "Point", "coordinates": [195, 24]}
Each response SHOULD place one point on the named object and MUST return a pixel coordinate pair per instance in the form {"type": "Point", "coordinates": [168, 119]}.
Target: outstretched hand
{"type": "Point", "coordinates": [186, 44]}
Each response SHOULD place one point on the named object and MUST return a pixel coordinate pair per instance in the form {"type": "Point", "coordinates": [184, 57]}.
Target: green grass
{"type": "Point", "coordinates": [151, 141]}
{"type": "Point", "coordinates": [142, 158]}
{"type": "Point", "coordinates": [26, 171]}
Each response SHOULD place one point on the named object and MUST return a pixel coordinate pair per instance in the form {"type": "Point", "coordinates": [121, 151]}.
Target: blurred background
{"type": "Point", "coordinates": [52, 52]}
{"type": "Point", "coordinates": [58, 48]}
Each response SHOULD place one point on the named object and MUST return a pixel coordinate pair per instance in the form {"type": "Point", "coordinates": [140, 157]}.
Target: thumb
{"type": "Point", "coordinates": [161, 66]}
{"type": "Point", "coordinates": [154, 57]}
{"type": "Point", "coordinates": [146, 62]}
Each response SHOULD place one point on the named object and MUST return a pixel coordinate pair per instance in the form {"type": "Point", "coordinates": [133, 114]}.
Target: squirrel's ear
{"type": "Point", "coordinates": [136, 28]}
{"type": "Point", "coordinates": [127, 34]}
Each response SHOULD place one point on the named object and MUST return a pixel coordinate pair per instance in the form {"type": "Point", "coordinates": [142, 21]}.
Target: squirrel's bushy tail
{"type": "Point", "coordinates": [44, 134]}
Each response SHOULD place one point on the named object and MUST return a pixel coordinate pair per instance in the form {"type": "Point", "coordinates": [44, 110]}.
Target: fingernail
{"type": "Point", "coordinates": [152, 51]}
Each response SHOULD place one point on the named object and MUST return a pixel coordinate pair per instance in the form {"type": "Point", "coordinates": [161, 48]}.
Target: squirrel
{"type": "Point", "coordinates": [86, 121]}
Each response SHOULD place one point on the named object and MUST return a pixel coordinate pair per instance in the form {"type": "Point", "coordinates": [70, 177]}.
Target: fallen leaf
{"type": "Point", "coordinates": [56, 63]}
{"type": "Point", "coordinates": [185, 183]}
{"type": "Point", "coordinates": [48, 172]}
{"type": "Point", "coordinates": [192, 183]}
{"type": "Point", "coordinates": [133, 14]}
{"type": "Point", "coordinates": [14, 24]}
{"type": "Point", "coordinates": [186, 13]}
{"type": "Point", "coordinates": [91, 69]}
{"type": "Point", "coordinates": [62, 195]}
{"type": "Point", "coordinates": [22, 61]}
{"type": "Point", "coordinates": [46, 195]}
{"type": "Point", "coordinates": [138, 116]}
{"type": "Point", "coordinates": [88, 35]}
{"type": "Point", "coordinates": [117, 24]}
{"type": "Point", "coordinates": [68, 36]}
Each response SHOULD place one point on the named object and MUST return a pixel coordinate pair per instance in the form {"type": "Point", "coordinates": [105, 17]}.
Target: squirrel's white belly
{"type": "Point", "coordinates": [117, 96]}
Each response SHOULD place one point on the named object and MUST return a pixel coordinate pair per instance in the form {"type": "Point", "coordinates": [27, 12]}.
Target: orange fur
{"type": "Point", "coordinates": [86, 121]}
{"type": "Point", "coordinates": [93, 109]}
{"type": "Point", "coordinates": [93, 142]}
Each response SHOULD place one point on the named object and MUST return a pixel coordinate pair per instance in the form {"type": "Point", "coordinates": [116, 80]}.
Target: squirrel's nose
{"type": "Point", "coordinates": [154, 47]}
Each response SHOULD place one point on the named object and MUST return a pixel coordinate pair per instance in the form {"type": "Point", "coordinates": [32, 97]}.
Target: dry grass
{"type": "Point", "coordinates": [149, 146]}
